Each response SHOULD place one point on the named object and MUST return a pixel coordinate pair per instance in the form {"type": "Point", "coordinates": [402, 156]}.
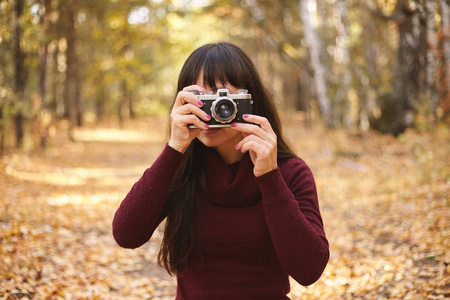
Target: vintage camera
{"type": "Point", "coordinates": [225, 108]}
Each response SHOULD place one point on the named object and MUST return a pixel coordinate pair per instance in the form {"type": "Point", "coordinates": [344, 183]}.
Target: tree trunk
{"type": "Point", "coordinates": [2, 97]}
{"type": "Point", "coordinates": [100, 100]}
{"type": "Point", "coordinates": [371, 85]}
{"type": "Point", "coordinates": [2, 128]}
{"type": "Point", "coordinates": [20, 72]}
{"type": "Point", "coordinates": [44, 118]}
{"type": "Point", "coordinates": [445, 81]}
{"type": "Point", "coordinates": [322, 13]}
{"type": "Point", "coordinates": [57, 88]}
{"type": "Point", "coordinates": [309, 19]}
{"type": "Point", "coordinates": [342, 57]}
{"type": "Point", "coordinates": [432, 57]}
{"type": "Point", "coordinates": [131, 105]}
{"type": "Point", "coordinates": [408, 71]}
{"type": "Point", "coordinates": [77, 96]}
{"type": "Point", "coordinates": [71, 82]}
{"type": "Point", "coordinates": [122, 101]}
{"type": "Point", "coordinates": [397, 108]}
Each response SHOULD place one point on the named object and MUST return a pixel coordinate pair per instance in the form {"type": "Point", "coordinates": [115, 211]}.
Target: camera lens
{"type": "Point", "coordinates": [224, 110]}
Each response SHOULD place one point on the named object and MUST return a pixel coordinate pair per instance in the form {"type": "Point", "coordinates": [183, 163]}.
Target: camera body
{"type": "Point", "coordinates": [225, 108]}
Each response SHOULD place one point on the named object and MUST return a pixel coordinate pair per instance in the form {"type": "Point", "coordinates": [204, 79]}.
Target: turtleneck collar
{"type": "Point", "coordinates": [232, 185]}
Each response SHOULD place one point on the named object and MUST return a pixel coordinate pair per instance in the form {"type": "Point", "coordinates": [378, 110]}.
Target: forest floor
{"type": "Point", "coordinates": [384, 200]}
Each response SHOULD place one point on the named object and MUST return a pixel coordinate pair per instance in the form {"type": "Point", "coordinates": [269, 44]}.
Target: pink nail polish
{"type": "Point", "coordinates": [208, 116]}
{"type": "Point", "coordinates": [202, 88]}
{"type": "Point", "coordinates": [245, 116]}
{"type": "Point", "coordinates": [200, 103]}
{"type": "Point", "coordinates": [206, 126]}
{"type": "Point", "coordinates": [236, 146]}
{"type": "Point", "coordinates": [233, 124]}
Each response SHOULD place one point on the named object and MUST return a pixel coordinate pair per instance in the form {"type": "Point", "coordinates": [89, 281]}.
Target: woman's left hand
{"type": "Point", "coordinates": [260, 140]}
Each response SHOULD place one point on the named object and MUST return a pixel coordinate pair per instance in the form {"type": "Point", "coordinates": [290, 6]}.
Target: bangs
{"type": "Point", "coordinates": [220, 63]}
{"type": "Point", "coordinates": [214, 70]}
{"type": "Point", "coordinates": [223, 66]}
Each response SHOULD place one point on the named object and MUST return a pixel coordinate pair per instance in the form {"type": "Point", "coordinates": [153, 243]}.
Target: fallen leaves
{"type": "Point", "coordinates": [387, 222]}
{"type": "Point", "coordinates": [385, 205]}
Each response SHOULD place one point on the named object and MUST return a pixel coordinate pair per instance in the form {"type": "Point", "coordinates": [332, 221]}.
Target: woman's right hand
{"type": "Point", "coordinates": [186, 110]}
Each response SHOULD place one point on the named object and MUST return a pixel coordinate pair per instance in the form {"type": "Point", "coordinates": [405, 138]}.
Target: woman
{"type": "Point", "coordinates": [242, 211]}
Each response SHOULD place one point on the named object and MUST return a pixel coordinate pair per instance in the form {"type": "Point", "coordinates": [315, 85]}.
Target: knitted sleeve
{"type": "Point", "coordinates": [293, 217]}
{"type": "Point", "coordinates": [141, 211]}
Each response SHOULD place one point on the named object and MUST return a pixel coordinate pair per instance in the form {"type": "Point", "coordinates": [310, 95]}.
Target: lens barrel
{"type": "Point", "coordinates": [223, 110]}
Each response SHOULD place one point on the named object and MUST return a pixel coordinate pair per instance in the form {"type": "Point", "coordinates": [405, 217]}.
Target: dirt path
{"type": "Point", "coordinates": [56, 222]}
{"type": "Point", "coordinates": [384, 202]}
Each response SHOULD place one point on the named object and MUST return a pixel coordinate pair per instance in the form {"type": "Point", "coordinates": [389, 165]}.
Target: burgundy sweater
{"type": "Point", "coordinates": [253, 232]}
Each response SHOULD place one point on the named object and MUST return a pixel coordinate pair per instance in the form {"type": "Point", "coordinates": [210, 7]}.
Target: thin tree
{"type": "Point", "coordinates": [343, 59]}
{"type": "Point", "coordinates": [445, 81]}
{"type": "Point", "coordinates": [19, 72]}
{"type": "Point", "coordinates": [71, 85]}
{"type": "Point", "coordinates": [4, 21]}
{"type": "Point", "coordinates": [314, 44]}
{"type": "Point", "coordinates": [44, 118]}
{"type": "Point", "coordinates": [432, 56]}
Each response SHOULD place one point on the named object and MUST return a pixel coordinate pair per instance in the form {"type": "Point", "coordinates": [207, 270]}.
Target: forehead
{"type": "Point", "coordinates": [219, 85]}
{"type": "Point", "coordinates": [217, 82]}
{"type": "Point", "coordinates": [212, 74]}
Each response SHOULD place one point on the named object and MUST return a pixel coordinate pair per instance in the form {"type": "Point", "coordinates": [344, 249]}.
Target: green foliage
{"type": "Point", "coordinates": [129, 53]}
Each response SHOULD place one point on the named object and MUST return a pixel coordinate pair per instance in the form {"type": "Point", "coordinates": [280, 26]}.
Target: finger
{"type": "Point", "coordinates": [184, 97]}
{"type": "Point", "coordinates": [194, 87]}
{"type": "Point", "coordinates": [191, 109]}
{"type": "Point", "coordinates": [264, 158]}
{"type": "Point", "coordinates": [185, 120]}
{"type": "Point", "coordinates": [258, 148]}
{"type": "Point", "coordinates": [247, 128]}
{"type": "Point", "coordinates": [253, 139]}
{"type": "Point", "coordinates": [261, 121]}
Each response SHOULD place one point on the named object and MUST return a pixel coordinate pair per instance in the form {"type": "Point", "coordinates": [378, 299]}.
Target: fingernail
{"type": "Point", "coordinates": [202, 89]}
{"type": "Point", "coordinates": [236, 146]}
{"type": "Point", "coordinates": [206, 126]}
{"type": "Point", "coordinates": [208, 116]}
{"type": "Point", "coordinates": [233, 124]}
{"type": "Point", "coordinates": [245, 116]}
{"type": "Point", "coordinates": [200, 103]}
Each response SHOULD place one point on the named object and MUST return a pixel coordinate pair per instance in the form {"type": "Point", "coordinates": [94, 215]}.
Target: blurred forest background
{"type": "Point", "coordinates": [85, 89]}
{"type": "Point", "coordinates": [381, 64]}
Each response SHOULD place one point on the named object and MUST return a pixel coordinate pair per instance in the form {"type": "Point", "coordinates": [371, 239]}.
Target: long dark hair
{"type": "Point", "coordinates": [220, 62]}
